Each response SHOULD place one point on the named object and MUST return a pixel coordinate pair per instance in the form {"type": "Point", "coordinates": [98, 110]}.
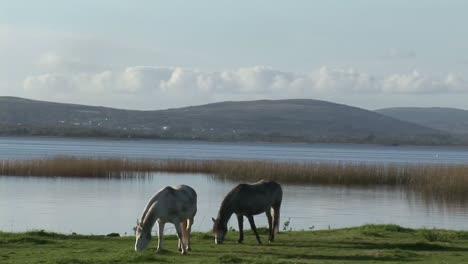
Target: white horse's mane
{"type": "Point", "coordinates": [149, 206]}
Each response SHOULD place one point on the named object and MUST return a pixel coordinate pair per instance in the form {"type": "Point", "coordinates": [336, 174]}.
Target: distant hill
{"type": "Point", "coordinates": [445, 119]}
{"type": "Point", "coordinates": [296, 120]}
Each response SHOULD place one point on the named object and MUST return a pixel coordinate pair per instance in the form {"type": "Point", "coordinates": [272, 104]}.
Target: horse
{"type": "Point", "coordinates": [176, 205]}
{"type": "Point", "coordinates": [249, 200]}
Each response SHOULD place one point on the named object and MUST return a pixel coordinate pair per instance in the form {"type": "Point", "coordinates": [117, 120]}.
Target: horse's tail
{"type": "Point", "coordinates": [276, 216]}
{"type": "Point", "coordinates": [276, 210]}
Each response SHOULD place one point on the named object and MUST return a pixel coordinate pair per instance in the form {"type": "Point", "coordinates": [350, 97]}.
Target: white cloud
{"type": "Point", "coordinates": [45, 83]}
{"type": "Point", "coordinates": [50, 65]}
{"type": "Point", "coordinates": [328, 79]}
{"type": "Point", "coordinates": [456, 83]}
{"type": "Point", "coordinates": [416, 82]}
{"type": "Point", "coordinates": [413, 82]}
{"type": "Point", "coordinates": [241, 83]}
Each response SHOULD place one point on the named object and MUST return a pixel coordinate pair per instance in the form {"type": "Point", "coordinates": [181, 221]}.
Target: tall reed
{"type": "Point", "coordinates": [446, 181]}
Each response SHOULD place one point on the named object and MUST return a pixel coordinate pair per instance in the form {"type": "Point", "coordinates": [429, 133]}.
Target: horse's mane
{"type": "Point", "coordinates": [225, 204]}
{"type": "Point", "coordinates": [153, 200]}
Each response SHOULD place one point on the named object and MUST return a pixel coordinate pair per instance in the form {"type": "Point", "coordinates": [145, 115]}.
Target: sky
{"type": "Point", "coordinates": [145, 54]}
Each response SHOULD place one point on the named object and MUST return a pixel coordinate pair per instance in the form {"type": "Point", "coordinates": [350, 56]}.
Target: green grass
{"type": "Point", "coordinates": [365, 244]}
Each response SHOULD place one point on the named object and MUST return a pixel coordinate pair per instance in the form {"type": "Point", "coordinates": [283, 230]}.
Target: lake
{"type": "Point", "coordinates": [40, 147]}
{"type": "Point", "coordinates": [101, 206]}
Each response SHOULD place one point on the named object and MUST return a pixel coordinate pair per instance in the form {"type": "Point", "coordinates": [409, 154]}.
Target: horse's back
{"type": "Point", "coordinates": [189, 191]}
{"type": "Point", "coordinates": [268, 186]}
{"type": "Point", "coordinates": [179, 191]}
{"type": "Point", "coordinates": [265, 191]}
{"type": "Point", "coordinates": [179, 201]}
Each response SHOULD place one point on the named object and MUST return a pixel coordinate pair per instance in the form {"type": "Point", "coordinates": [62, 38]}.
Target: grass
{"type": "Point", "coordinates": [446, 183]}
{"type": "Point", "coordinates": [365, 244]}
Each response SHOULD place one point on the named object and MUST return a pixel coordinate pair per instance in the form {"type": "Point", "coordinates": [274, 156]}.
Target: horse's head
{"type": "Point", "coordinates": [143, 237]}
{"type": "Point", "coordinates": [219, 230]}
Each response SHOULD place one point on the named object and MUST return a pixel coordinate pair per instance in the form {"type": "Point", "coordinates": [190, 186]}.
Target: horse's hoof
{"type": "Point", "coordinates": [239, 241]}
{"type": "Point", "coordinates": [158, 251]}
{"type": "Point", "coordinates": [183, 252]}
{"type": "Point", "coordinates": [189, 249]}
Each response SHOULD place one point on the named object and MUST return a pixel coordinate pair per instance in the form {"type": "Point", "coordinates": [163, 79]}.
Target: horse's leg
{"type": "Point", "coordinates": [240, 220]}
{"type": "Point", "coordinates": [253, 227]}
{"type": "Point", "coordinates": [183, 226]}
{"type": "Point", "coordinates": [270, 225]}
{"type": "Point", "coordinates": [181, 238]}
{"type": "Point", "coordinates": [189, 229]}
{"type": "Point", "coordinates": [160, 236]}
{"type": "Point", "coordinates": [179, 244]}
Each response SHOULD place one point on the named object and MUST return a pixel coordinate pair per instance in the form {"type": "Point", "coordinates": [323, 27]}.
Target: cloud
{"type": "Point", "coordinates": [328, 79]}
{"type": "Point", "coordinates": [74, 76]}
{"type": "Point", "coordinates": [416, 82]}
{"type": "Point", "coordinates": [142, 79]}
{"type": "Point", "coordinates": [48, 83]}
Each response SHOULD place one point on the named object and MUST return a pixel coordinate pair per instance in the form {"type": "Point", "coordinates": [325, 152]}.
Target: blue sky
{"type": "Point", "coordinates": [159, 54]}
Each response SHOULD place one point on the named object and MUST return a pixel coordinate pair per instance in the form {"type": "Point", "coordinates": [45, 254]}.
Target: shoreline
{"type": "Point", "coordinates": [244, 142]}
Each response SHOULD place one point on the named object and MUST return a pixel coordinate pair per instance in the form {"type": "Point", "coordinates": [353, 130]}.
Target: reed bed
{"type": "Point", "coordinates": [449, 182]}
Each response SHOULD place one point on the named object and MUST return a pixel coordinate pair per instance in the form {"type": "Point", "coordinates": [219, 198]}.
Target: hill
{"type": "Point", "coordinates": [295, 120]}
{"type": "Point", "coordinates": [451, 120]}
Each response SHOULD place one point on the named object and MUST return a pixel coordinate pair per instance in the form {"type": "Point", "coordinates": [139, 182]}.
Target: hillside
{"type": "Point", "coordinates": [296, 120]}
{"type": "Point", "coordinates": [446, 119]}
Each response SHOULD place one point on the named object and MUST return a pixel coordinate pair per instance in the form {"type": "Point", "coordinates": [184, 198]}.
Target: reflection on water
{"type": "Point", "coordinates": [100, 206]}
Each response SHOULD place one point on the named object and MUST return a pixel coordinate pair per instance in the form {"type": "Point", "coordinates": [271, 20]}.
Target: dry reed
{"type": "Point", "coordinates": [450, 182]}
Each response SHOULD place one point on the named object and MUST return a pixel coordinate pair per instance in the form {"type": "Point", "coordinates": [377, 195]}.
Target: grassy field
{"type": "Point", "coordinates": [447, 183]}
{"type": "Point", "coordinates": [365, 244]}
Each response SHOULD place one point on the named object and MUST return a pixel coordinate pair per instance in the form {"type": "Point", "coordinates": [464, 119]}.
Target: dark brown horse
{"type": "Point", "coordinates": [249, 200]}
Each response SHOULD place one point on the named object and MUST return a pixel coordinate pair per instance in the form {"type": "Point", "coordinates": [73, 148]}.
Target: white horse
{"type": "Point", "coordinates": [176, 205]}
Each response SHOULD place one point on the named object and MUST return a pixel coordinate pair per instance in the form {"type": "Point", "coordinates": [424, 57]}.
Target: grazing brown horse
{"type": "Point", "coordinates": [249, 200]}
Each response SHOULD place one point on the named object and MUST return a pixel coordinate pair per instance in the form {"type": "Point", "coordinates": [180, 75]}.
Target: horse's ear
{"type": "Point", "coordinates": [214, 220]}
{"type": "Point", "coordinates": [137, 222]}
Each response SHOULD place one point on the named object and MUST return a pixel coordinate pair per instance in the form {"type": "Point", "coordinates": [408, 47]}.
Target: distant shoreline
{"type": "Point", "coordinates": [246, 141]}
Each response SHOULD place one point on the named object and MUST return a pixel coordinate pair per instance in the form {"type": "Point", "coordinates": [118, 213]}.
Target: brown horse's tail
{"type": "Point", "coordinates": [276, 218]}
{"type": "Point", "coordinates": [276, 210]}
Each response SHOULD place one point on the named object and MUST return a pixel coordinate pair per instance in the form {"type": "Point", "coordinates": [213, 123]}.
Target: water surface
{"type": "Point", "coordinates": [101, 206]}
{"type": "Point", "coordinates": [38, 147]}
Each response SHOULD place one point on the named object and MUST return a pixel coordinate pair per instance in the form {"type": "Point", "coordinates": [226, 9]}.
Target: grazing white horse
{"type": "Point", "coordinates": [176, 205]}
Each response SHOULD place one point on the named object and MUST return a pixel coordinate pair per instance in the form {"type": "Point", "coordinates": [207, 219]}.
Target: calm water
{"type": "Point", "coordinates": [101, 206]}
{"type": "Point", "coordinates": [34, 147]}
